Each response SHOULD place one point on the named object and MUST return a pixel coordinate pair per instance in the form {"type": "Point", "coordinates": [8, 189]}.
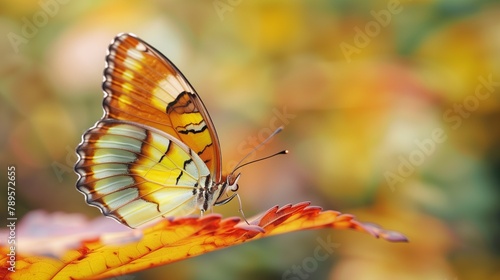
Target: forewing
{"type": "Point", "coordinates": [141, 85]}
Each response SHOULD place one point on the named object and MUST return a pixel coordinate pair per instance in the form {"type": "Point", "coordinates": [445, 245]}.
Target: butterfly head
{"type": "Point", "coordinates": [232, 182]}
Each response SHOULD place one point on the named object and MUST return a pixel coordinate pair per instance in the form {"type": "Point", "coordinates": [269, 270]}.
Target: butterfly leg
{"type": "Point", "coordinates": [224, 201]}
{"type": "Point", "coordinates": [241, 208]}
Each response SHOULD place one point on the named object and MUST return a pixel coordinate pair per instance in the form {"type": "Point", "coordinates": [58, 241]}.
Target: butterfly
{"type": "Point", "coordinates": [155, 152]}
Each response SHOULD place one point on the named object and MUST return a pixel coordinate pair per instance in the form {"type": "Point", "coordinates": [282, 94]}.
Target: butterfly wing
{"type": "Point", "coordinates": [155, 148]}
{"type": "Point", "coordinates": [141, 85]}
{"type": "Point", "coordinates": [137, 174]}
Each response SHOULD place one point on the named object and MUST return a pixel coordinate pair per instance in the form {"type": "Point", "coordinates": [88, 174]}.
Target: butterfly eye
{"type": "Point", "coordinates": [232, 182]}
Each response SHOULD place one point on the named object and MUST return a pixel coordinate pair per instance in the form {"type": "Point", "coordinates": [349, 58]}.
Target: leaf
{"type": "Point", "coordinates": [176, 239]}
{"type": "Point", "coordinates": [54, 234]}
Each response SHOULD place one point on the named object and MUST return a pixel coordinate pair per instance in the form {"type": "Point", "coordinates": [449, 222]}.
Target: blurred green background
{"type": "Point", "coordinates": [391, 112]}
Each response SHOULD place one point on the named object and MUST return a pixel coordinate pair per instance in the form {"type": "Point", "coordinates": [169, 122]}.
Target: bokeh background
{"type": "Point", "coordinates": [361, 88]}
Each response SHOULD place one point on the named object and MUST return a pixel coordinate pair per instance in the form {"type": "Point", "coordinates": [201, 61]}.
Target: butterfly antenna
{"type": "Point", "coordinates": [278, 130]}
{"type": "Point", "coordinates": [284, 152]}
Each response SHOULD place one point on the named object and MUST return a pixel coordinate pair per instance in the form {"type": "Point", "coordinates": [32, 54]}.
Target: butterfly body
{"type": "Point", "coordinates": [155, 152]}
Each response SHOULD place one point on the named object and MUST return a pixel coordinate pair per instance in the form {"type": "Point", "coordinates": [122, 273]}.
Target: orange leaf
{"type": "Point", "coordinates": [176, 239]}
